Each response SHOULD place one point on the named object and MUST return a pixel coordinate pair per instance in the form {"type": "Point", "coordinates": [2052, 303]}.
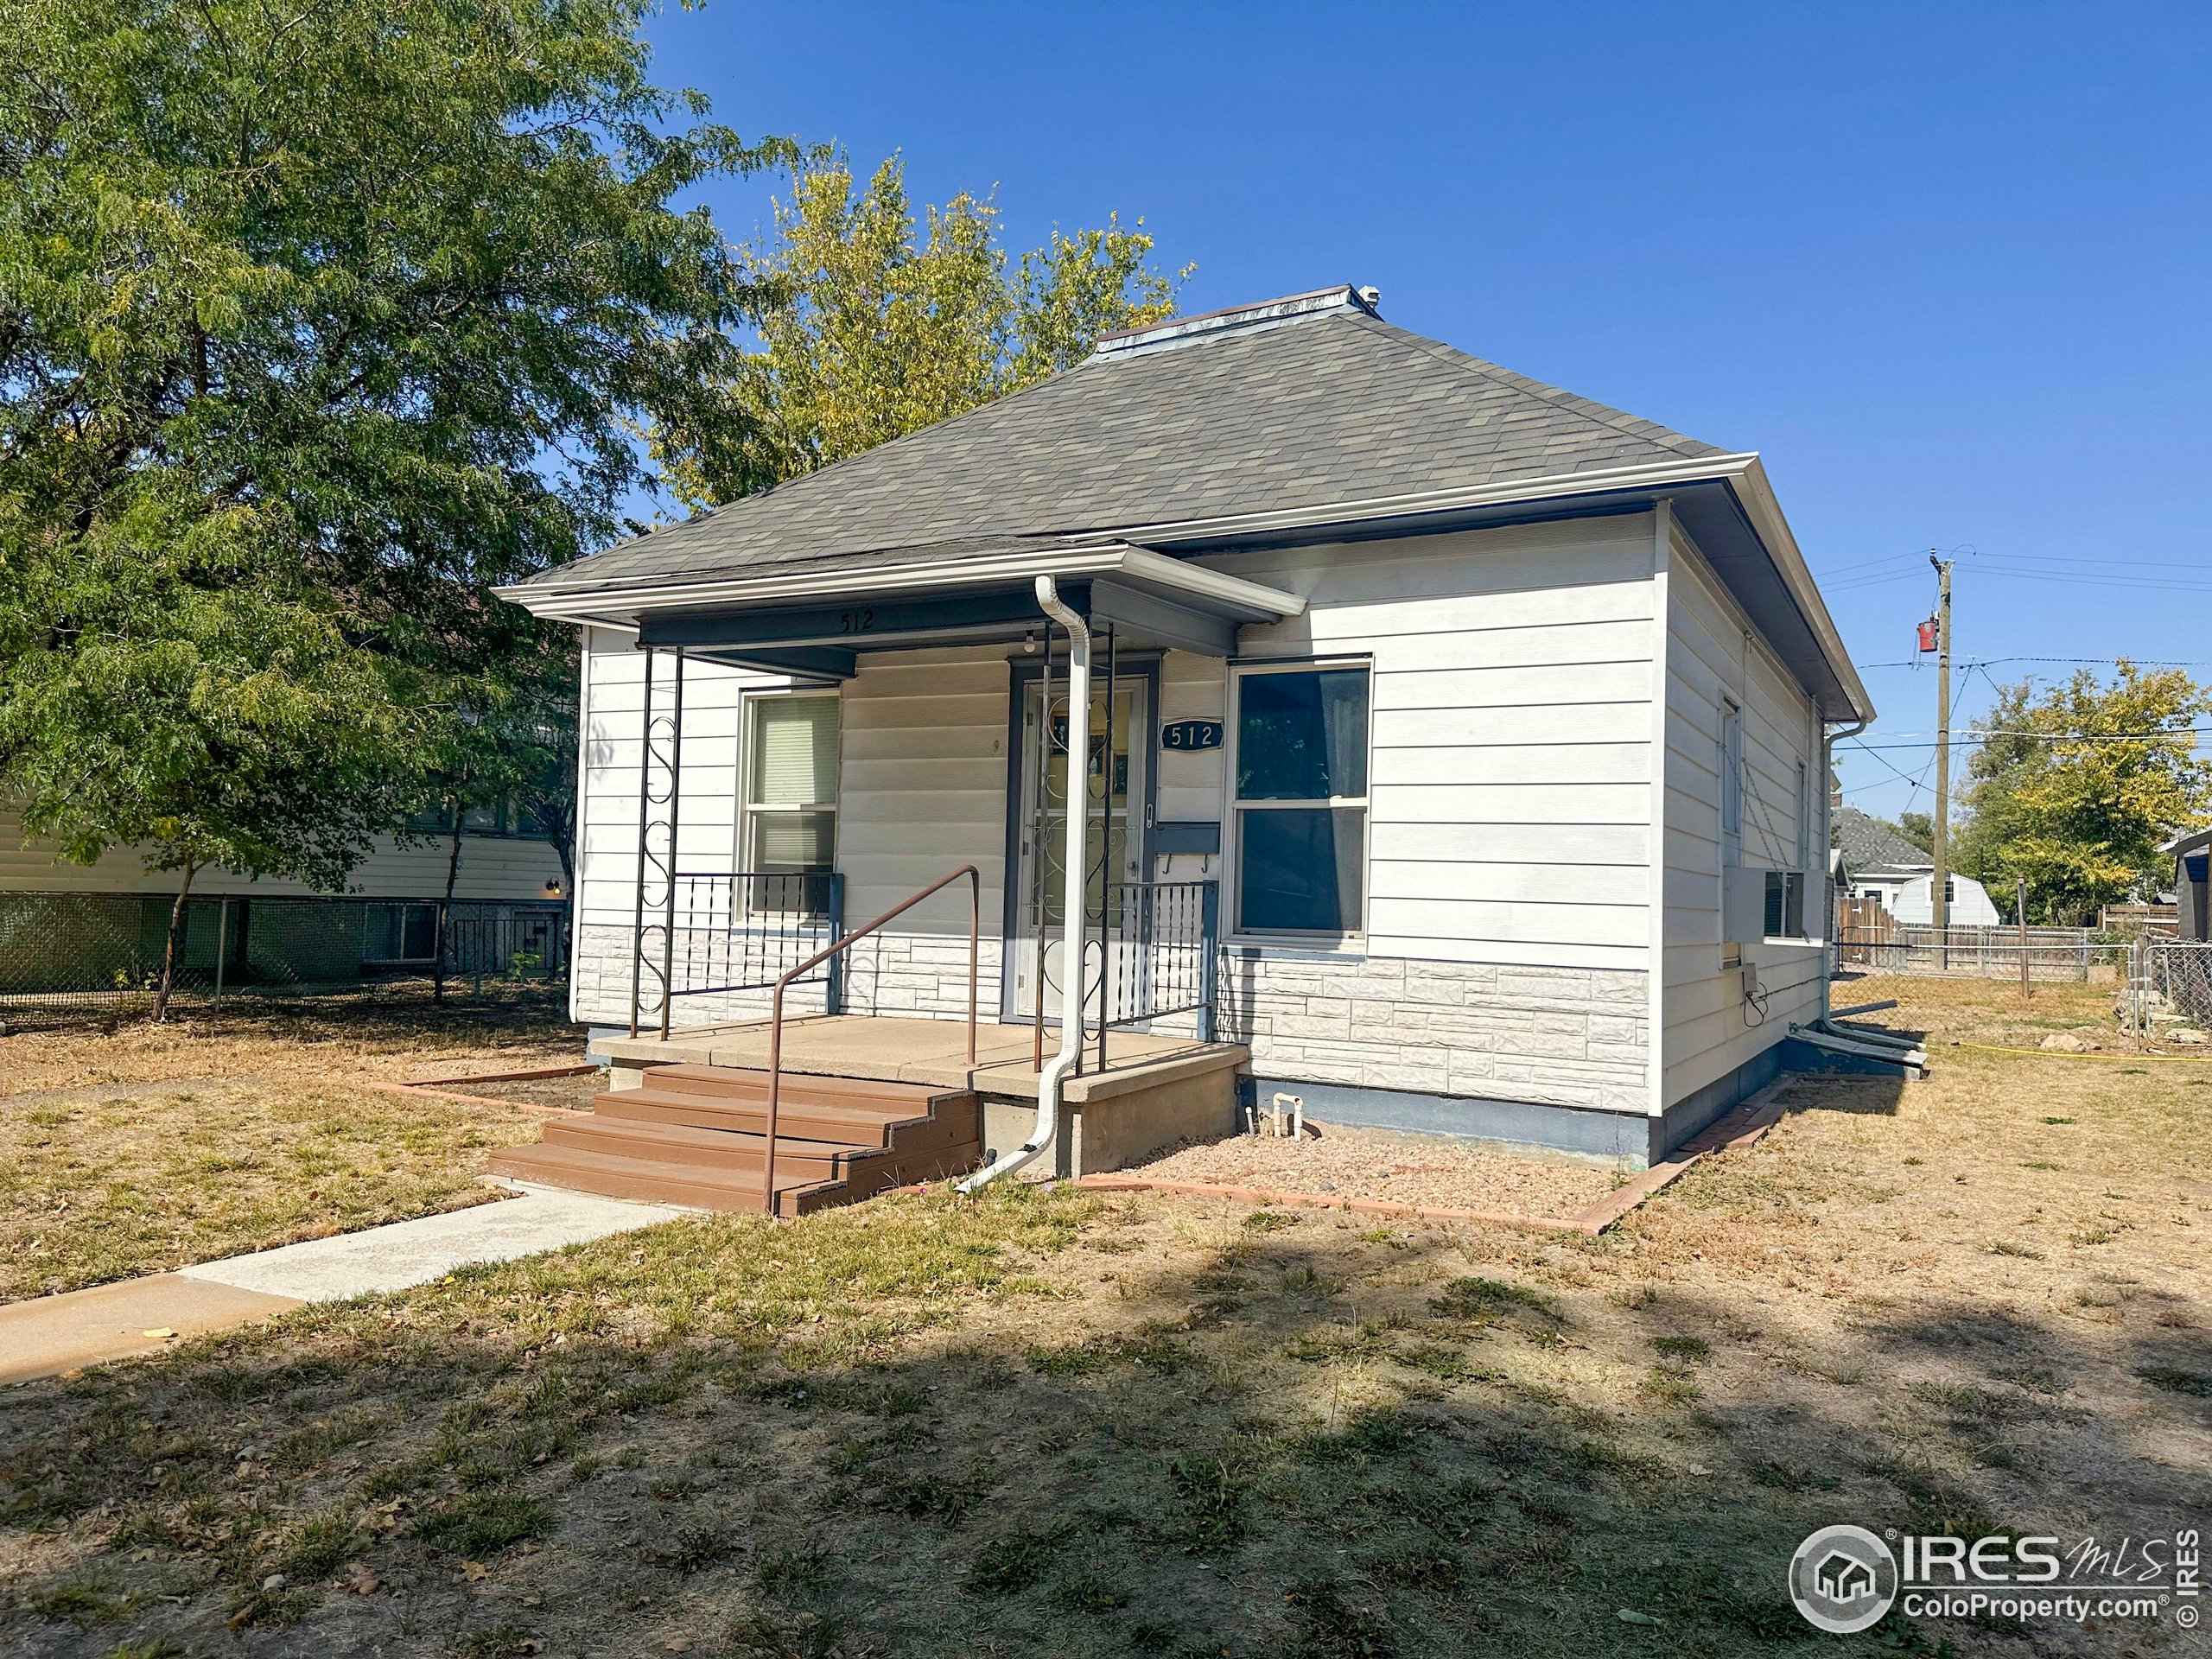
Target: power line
{"type": "Point", "coordinates": [2087, 662]}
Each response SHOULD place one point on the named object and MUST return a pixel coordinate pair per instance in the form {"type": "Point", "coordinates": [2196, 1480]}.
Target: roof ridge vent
{"type": "Point", "coordinates": [1237, 318]}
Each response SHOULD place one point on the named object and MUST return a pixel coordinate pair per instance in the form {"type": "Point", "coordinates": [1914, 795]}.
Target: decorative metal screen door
{"type": "Point", "coordinates": [1117, 850]}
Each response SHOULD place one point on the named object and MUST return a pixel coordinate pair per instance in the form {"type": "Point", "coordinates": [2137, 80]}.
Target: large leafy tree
{"type": "Point", "coordinates": [315, 322]}
{"type": "Point", "coordinates": [2077, 784]}
{"type": "Point", "coordinates": [871, 324]}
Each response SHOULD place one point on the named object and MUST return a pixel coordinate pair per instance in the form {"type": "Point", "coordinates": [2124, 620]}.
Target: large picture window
{"type": "Point", "coordinates": [1300, 802]}
{"type": "Point", "coordinates": [791, 801]}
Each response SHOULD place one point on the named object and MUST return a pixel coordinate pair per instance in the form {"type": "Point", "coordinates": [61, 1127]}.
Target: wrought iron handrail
{"type": "Point", "coordinates": [776, 1006]}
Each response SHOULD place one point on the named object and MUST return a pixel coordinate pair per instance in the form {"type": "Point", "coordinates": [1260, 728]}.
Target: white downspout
{"type": "Point", "coordinates": [1072, 901]}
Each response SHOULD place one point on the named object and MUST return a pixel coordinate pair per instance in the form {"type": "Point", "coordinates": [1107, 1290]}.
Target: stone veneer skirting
{"type": "Point", "coordinates": [1544, 1036]}
{"type": "Point", "coordinates": [1550, 1036]}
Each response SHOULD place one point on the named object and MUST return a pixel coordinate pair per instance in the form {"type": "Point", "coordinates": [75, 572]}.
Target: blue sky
{"type": "Point", "coordinates": [1946, 267]}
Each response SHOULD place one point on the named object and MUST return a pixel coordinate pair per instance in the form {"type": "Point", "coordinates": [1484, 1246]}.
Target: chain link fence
{"type": "Point", "coordinates": [2170, 991]}
{"type": "Point", "coordinates": [2038, 985]}
{"type": "Point", "coordinates": [2027, 956]}
{"type": "Point", "coordinates": [64, 955]}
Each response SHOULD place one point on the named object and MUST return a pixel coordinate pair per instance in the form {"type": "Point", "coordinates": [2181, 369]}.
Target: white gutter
{"type": "Point", "coordinates": [582, 602]}
{"type": "Point", "coordinates": [1074, 866]}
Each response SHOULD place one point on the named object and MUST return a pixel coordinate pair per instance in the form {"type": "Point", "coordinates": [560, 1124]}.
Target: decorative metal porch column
{"type": "Point", "coordinates": [660, 763]}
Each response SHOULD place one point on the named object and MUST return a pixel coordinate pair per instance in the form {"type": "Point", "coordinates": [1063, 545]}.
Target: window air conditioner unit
{"type": "Point", "coordinates": [1762, 905]}
{"type": "Point", "coordinates": [1743, 905]}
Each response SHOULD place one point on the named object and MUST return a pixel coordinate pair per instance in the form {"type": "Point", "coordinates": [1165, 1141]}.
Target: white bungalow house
{"type": "Point", "coordinates": [1455, 748]}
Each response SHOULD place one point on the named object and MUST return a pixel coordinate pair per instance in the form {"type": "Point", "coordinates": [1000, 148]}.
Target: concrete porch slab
{"type": "Point", "coordinates": [932, 1052]}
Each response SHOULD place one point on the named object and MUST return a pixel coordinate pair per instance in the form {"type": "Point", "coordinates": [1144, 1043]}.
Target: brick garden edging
{"type": "Point", "coordinates": [1742, 1126]}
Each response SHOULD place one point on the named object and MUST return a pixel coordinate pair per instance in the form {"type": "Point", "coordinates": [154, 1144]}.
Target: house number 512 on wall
{"type": "Point", "coordinates": [1191, 735]}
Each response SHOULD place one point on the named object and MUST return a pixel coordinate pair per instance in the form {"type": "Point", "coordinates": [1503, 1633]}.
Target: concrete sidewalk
{"type": "Point", "coordinates": [53, 1335]}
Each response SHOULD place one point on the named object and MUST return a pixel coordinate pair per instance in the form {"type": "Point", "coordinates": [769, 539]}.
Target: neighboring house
{"type": "Point", "coordinates": [1464, 726]}
{"type": "Point", "coordinates": [2192, 851]}
{"type": "Point", "coordinates": [1911, 899]}
{"type": "Point", "coordinates": [1892, 872]}
{"type": "Point", "coordinates": [71, 927]}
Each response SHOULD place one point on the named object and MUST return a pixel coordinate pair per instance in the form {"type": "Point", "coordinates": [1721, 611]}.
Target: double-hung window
{"type": "Point", "coordinates": [790, 796]}
{"type": "Point", "coordinates": [1300, 804]}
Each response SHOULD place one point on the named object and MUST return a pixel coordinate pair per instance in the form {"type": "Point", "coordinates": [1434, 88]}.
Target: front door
{"type": "Point", "coordinates": [1117, 839]}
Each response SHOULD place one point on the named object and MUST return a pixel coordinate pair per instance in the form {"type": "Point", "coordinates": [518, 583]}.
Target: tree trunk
{"type": "Point", "coordinates": [445, 911]}
{"type": "Point", "coordinates": [169, 947]}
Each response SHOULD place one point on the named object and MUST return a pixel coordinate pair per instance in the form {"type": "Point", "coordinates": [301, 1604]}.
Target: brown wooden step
{"type": "Point", "coordinates": [619, 1176]}
{"type": "Point", "coordinates": [615, 1176]}
{"type": "Point", "coordinates": [802, 1117]}
{"type": "Point", "coordinates": [750, 1082]}
{"type": "Point", "coordinates": [681, 1143]}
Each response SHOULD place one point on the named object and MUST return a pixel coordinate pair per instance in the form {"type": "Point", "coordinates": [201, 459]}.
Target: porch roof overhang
{"type": "Point", "coordinates": [815, 623]}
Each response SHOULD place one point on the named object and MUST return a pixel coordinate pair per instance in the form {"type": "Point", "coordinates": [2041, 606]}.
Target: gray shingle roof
{"type": "Point", "coordinates": [1332, 407]}
{"type": "Point", "coordinates": [1872, 843]}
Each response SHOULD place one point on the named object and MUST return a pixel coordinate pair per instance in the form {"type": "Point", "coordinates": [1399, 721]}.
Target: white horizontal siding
{"type": "Point", "coordinates": [921, 786]}
{"type": "Point", "coordinates": [1510, 779]}
{"type": "Point", "coordinates": [1713, 654]}
{"type": "Point", "coordinates": [614, 700]}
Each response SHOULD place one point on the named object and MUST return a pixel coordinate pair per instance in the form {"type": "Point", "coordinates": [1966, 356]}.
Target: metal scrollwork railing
{"type": "Point", "coordinates": [652, 926]}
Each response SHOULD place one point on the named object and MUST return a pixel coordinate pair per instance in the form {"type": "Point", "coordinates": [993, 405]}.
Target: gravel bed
{"type": "Point", "coordinates": [1401, 1168]}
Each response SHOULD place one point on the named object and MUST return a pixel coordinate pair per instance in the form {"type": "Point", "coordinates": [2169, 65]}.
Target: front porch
{"type": "Point", "coordinates": [1154, 1090]}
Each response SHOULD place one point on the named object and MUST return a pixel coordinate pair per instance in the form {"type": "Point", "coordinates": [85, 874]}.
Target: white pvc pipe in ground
{"type": "Point", "coordinates": [1072, 903]}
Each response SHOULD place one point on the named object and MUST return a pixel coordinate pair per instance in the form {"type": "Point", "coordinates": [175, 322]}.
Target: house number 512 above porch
{"type": "Point", "coordinates": [1191, 735]}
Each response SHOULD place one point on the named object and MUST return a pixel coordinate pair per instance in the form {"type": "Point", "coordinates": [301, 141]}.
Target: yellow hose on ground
{"type": "Point", "coordinates": [2061, 1054]}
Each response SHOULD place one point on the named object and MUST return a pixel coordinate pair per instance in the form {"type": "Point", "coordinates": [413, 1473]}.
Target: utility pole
{"type": "Point", "coordinates": [1939, 897]}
